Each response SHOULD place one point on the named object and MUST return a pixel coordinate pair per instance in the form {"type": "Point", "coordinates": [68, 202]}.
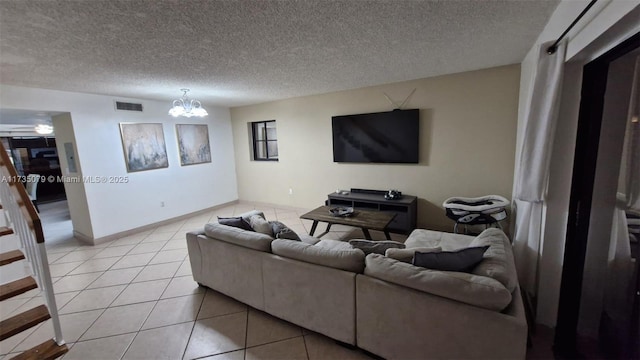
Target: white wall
{"type": "Point", "coordinates": [604, 26]}
{"type": "Point", "coordinates": [467, 140]}
{"type": "Point", "coordinates": [119, 207]}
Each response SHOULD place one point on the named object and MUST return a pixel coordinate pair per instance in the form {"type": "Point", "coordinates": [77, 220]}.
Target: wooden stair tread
{"type": "Point", "coordinates": [5, 231]}
{"type": "Point", "coordinates": [17, 287]}
{"type": "Point", "coordinates": [23, 321]}
{"type": "Point", "coordinates": [10, 256]}
{"type": "Point", "coordinates": [45, 351]}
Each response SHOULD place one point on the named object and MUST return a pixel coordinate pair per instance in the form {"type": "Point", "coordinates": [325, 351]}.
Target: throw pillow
{"type": "Point", "coordinates": [259, 224]}
{"type": "Point", "coordinates": [281, 231]}
{"type": "Point", "coordinates": [406, 255]}
{"type": "Point", "coordinates": [375, 247]}
{"type": "Point", "coordinates": [237, 222]}
{"type": "Point", "coordinates": [463, 260]}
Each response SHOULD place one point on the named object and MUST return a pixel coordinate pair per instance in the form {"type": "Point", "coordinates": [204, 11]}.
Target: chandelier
{"type": "Point", "coordinates": [44, 129]}
{"type": "Point", "coordinates": [187, 108]}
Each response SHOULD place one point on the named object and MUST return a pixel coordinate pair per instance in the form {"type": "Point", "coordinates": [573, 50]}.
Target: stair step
{"type": "Point", "coordinates": [23, 321]}
{"type": "Point", "coordinates": [17, 287]}
{"type": "Point", "coordinates": [45, 351]}
{"type": "Point", "coordinates": [5, 231]}
{"type": "Point", "coordinates": [10, 256]}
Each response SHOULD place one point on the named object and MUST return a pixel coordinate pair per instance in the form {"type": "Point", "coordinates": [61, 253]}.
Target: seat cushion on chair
{"type": "Point", "coordinates": [498, 262]}
{"type": "Point", "coordinates": [343, 259]}
{"type": "Point", "coordinates": [248, 239]}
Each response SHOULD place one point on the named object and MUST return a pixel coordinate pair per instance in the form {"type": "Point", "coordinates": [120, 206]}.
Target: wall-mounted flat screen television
{"type": "Point", "coordinates": [384, 137]}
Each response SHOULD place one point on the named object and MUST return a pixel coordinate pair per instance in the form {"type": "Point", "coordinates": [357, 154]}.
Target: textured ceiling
{"type": "Point", "coordinates": [234, 53]}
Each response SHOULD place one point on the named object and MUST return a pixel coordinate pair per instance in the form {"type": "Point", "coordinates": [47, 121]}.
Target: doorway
{"type": "Point", "coordinates": [598, 306]}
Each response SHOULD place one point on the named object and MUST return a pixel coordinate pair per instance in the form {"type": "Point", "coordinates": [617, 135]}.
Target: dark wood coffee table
{"type": "Point", "coordinates": [363, 219]}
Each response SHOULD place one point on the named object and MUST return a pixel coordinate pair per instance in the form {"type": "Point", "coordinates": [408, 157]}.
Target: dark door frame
{"type": "Point", "coordinates": [594, 83]}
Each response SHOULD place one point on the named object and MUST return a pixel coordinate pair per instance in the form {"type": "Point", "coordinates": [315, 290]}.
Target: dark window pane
{"type": "Point", "coordinates": [271, 131]}
{"type": "Point", "coordinates": [261, 150]}
{"type": "Point", "coordinates": [259, 131]}
{"type": "Point", "coordinates": [273, 149]}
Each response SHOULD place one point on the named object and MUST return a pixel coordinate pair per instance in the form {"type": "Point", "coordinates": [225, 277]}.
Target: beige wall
{"type": "Point", "coordinates": [467, 143]}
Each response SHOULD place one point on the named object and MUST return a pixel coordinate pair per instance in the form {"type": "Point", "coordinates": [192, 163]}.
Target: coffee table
{"type": "Point", "coordinates": [363, 219]}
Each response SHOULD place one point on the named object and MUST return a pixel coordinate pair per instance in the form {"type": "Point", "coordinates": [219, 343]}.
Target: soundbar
{"type": "Point", "coordinates": [368, 191]}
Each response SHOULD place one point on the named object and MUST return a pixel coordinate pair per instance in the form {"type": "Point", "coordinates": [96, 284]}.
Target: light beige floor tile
{"type": "Point", "coordinates": [63, 269]}
{"type": "Point", "coordinates": [173, 227]}
{"type": "Point", "coordinates": [150, 247]}
{"type": "Point", "coordinates": [174, 311]}
{"type": "Point", "coordinates": [9, 305]}
{"type": "Point", "coordinates": [112, 251]}
{"type": "Point", "coordinates": [322, 348]}
{"type": "Point", "coordinates": [180, 286]}
{"type": "Point", "coordinates": [115, 277]}
{"type": "Point", "coordinates": [263, 328]}
{"type": "Point", "coordinates": [182, 234]}
{"type": "Point", "coordinates": [73, 326]}
{"type": "Point", "coordinates": [233, 355]}
{"type": "Point", "coordinates": [119, 320]}
{"type": "Point", "coordinates": [292, 349]}
{"type": "Point", "coordinates": [108, 348]}
{"type": "Point", "coordinates": [158, 271]}
{"type": "Point", "coordinates": [53, 257]}
{"type": "Point", "coordinates": [216, 304]}
{"type": "Point", "coordinates": [158, 236]}
{"type": "Point", "coordinates": [129, 240]}
{"type": "Point", "coordinates": [92, 299]}
{"type": "Point", "coordinates": [61, 300]}
{"type": "Point", "coordinates": [175, 244]}
{"type": "Point", "coordinates": [217, 335]}
{"type": "Point", "coordinates": [78, 255]}
{"type": "Point", "coordinates": [184, 269]}
{"type": "Point", "coordinates": [75, 282]}
{"type": "Point", "coordinates": [166, 342]}
{"type": "Point", "coordinates": [94, 265]}
{"type": "Point", "coordinates": [7, 345]}
{"type": "Point", "coordinates": [169, 256]}
{"type": "Point", "coordinates": [141, 292]}
{"type": "Point", "coordinates": [128, 261]}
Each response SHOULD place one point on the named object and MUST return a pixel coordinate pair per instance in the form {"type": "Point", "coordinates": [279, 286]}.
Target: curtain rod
{"type": "Point", "coordinates": [552, 49]}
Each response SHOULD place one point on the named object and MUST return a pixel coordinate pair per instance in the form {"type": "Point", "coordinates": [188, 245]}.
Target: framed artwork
{"type": "Point", "coordinates": [144, 146]}
{"type": "Point", "coordinates": [193, 143]}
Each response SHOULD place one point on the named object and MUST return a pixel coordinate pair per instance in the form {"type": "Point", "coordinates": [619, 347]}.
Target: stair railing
{"type": "Point", "coordinates": [26, 224]}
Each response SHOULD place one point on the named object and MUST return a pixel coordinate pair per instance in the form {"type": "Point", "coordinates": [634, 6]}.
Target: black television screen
{"type": "Point", "coordinates": [385, 137]}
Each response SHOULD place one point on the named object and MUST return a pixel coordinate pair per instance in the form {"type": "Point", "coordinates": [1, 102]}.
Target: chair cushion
{"type": "Point", "coordinates": [375, 247]}
{"type": "Point", "coordinates": [471, 289]}
{"type": "Point", "coordinates": [248, 239]}
{"type": "Point", "coordinates": [406, 255]}
{"type": "Point", "coordinates": [343, 259]}
{"type": "Point", "coordinates": [498, 262]}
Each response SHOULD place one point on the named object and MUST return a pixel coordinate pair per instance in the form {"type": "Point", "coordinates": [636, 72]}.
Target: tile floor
{"type": "Point", "coordinates": [134, 298]}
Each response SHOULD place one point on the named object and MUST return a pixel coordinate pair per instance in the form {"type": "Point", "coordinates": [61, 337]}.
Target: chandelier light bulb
{"type": "Point", "coordinates": [187, 107]}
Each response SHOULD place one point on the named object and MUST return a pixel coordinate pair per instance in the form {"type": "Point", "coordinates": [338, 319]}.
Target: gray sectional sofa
{"type": "Point", "coordinates": [385, 306]}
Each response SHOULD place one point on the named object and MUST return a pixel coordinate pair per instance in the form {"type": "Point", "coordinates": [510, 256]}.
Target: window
{"type": "Point", "coordinates": [265, 140]}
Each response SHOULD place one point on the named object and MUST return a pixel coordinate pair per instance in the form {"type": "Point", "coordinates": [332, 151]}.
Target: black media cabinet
{"type": "Point", "coordinates": [404, 208]}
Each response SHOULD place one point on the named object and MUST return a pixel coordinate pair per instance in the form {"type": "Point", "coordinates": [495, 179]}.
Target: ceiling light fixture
{"type": "Point", "coordinates": [187, 108]}
{"type": "Point", "coordinates": [44, 129]}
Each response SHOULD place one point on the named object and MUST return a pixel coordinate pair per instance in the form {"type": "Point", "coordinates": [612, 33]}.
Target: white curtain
{"type": "Point", "coordinates": [535, 156]}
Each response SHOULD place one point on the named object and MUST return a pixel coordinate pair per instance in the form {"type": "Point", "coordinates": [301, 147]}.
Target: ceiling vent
{"type": "Point", "coordinates": [128, 106]}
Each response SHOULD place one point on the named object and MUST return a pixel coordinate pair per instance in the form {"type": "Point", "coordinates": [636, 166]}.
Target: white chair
{"type": "Point", "coordinates": [32, 186]}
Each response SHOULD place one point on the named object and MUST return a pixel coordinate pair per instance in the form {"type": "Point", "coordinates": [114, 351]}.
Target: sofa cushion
{"type": "Point", "coordinates": [281, 231]}
{"type": "Point", "coordinates": [248, 239]}
{"type": "Point", "coordinates": [249, 214]}
{"type": "Point", "coordinates": [430, 238]}
{"type": "Point", "coordinates": [375, 247]}
{"type": "Point", "coordinates": [406, 255]}
{"type": "Point", "coordinates": [237, 222]}
{"type": "Point", "coordinates": [259, 224]}
{"type": "Point", "coordinates": [334, 244]}
{"type": "Point", "coordinates": [460, 260]}
{"type": "Point", "coordinates": [309, 239]}
{"type": "Point", "coordinates": [344, 259]}
{"type": "Point", "coordinates": [498, 260]}
{"type": "Point", "coordinates": [471, 289]}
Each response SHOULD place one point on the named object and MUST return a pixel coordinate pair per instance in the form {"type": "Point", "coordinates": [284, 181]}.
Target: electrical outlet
{"type": "Point", "coordinates": [290, 191]}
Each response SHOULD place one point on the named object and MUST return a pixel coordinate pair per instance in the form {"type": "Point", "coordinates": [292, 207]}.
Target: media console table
{"type": "Point", "coordinates": [404, 208]}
